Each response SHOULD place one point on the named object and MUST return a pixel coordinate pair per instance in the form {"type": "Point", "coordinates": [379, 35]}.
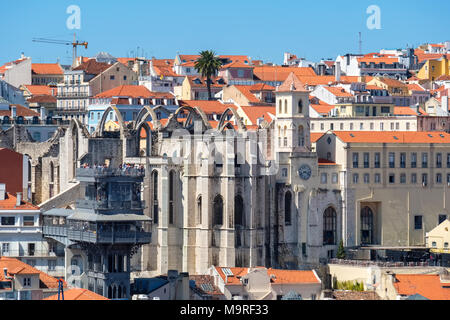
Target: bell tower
{"type": "Point", "coordinates": [292, 111]}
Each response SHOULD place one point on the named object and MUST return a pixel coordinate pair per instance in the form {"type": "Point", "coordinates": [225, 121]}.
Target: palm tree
{"type": "Point", "coordinates": [208, 65]}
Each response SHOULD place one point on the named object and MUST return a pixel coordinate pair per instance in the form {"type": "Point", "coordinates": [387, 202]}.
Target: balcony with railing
{"type": "Point", "coordinates": [32, 253]}
{"type": "Point", "coordinates": [110, 204]}
{"type": "Point", "coordinates": [110, 172]}
{"type": "Point", "coordinates": [111, 232]}
{"type": "Point", "coordinates": [73, 95]}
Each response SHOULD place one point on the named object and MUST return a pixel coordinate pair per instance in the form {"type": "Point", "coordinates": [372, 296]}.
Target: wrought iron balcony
{"type": "Point", "coordinates": [109, 205]}
{"type": "Point", "coordinates": [105, 172]}
{"type": "Point", "coordinates": [93, 236]}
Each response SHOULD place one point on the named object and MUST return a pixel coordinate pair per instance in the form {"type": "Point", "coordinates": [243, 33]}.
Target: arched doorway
{"type": "Point", "coordinates": [329, 226]}
{"type": "Point", "coordinates": [287, 208]}
{"type": "Point", "coordinates": [367, 226]}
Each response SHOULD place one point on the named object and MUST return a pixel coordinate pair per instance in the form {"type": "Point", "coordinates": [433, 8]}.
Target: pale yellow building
{"type": "Point", "coordinates": [439, 238]}
{"type": "Point", "coordinates": [395, 185]}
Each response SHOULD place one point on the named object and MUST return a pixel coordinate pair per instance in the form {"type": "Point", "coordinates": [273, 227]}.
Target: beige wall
{"type": "Point", "coordinates": [103, 81]}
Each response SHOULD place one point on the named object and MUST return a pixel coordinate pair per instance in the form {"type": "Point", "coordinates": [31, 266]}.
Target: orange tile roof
{"type": "Point", "coordinates": [46, 68]}
{"type": "Point", "coordinates": [245, 90]}
{"type": "Point", "coordinates": [91, 66]}
{"type": "Point", "coordinates": [16, 266]}
{"type": "Point", "coordinates": [255, 112]}
{"type": "Point", "coordinates": [392, 82]}
{"type": "Point", "coordinates": [40, 90]}
{"type": "Point", "coordinates": [163, 62]}
{"type": "Point", "coordinates": [44, 98]}
{"type": "Point", "coordinates": [389, 137]}
{"type": "Point", "coordinates": [208, 107]}
{"type": "Point", "coordinates": [326, 80]}
{"type": "Point", "coordinates": [338, 91]}
{"type": "Point", "coordinates": [322, 108]}
{"type": "Point", "coordinates": [131, 91]}
{"type": "Point", "coordinates": [78, 294]}
{"type": "Point", "coordinates": [404, 111]}
{"type": "Point", "coordinates": [427, 285]}
{"type": "Point", "coordinates": [277, 73]}
{"type": "Point", "coordinates": [261, 87]}
{"type": "Point", "coordinates": [292, 276]}
{"type": "Point", "coordinates": [21, 111]}
{"type": "Point", "coordinates": [377, 60]}
{"type": "Point", "coordinates": [314, 136]}
{"type": "Point", "coordinates": [165, 71]}
{"type": "Point", "coordinates": [422, 56]}
{"type": "Point", "coordinates": [415, 87]}
{"type": "Point", "coordinates": [292, 83]}
{"type": "Point", "coordinates": [214, 83]}
{"type": "Point", "coordinates": [237, 64]}
{"type": "Point", "coordinates": [373, 87]}
{"type": "Point", "coordinates": [125, 61]}
{"type": "Point", "coordinates": [444, 77]}
{"type": "Point", "coordinates": [10, 204]}
{"type": "Point", "coordinates": [280, 276]}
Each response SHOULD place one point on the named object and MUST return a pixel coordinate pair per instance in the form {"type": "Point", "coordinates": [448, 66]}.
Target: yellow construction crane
{"type": "Point", "coordinates": [75, 43]}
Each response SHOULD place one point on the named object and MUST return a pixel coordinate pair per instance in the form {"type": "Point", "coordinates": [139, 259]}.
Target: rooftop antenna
{"type": "Point", "coordinates": [360, 43]}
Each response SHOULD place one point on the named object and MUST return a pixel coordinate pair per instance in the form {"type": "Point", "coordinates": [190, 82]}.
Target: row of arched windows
{"type": "Point", "coordinates": [330, 222]}
{"type": "Point", "coordinates": [300, 133]}
{"type": "Point", "coordinates": [117, 291]}
{"type": "Point", "coordinates": [280, 106]}
{"type": "Point", "coordinates": [218, 204]}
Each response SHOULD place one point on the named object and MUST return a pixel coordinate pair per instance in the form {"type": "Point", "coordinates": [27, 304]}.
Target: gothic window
{"type": "Point", "coordinates": [300, 106]}
{"type": "Point", "coordinates": [199, 210]}
{"type": "Point", "coordinates": [329, 226]}
{"type": "Point", "coordinates": [301, 136]}
{"type": "Point", "coordinates": [366, 226]}
{"type": "Point", "coordinates": [238, 211]}
{"type": "Point", "coordinates": [287, 208]}
{"type": "Point", "coordinates": [239, 218]}
{"type": "Point", "coordinates": [155, 196]}
{"type": "Point", "coordinates": [218, 211]}
{"type": "Point", "coordinates": [171, 197]}
{"type": "Point", "coordinates": [280, 103]}
{"type": "Point", "coordinates": [285, 106]}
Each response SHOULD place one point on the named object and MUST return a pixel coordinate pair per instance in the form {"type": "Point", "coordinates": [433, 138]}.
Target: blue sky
{"type": "Point", "coordinates": [261, 29]}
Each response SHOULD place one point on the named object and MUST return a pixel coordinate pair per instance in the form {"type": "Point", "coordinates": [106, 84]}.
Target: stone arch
{"type": "Point", "coordinates": [218, 210]}
{"type": "Point", "coordinates": [101, 125]}
{"type": "Point", "coordinates": [239, 121]}
{"type": "Point", "coordinates": [202, 115]}
{"type": "Point", "coordinates": [330, 225]}
{"type": "Point", "coordinates": [148, 139]}
{"type": "Point", "coordinates": [143, 115]}
{"type": "Point", "coordinates": [192, 114]}
{"type": "Point", "coordinates": [367, 225]}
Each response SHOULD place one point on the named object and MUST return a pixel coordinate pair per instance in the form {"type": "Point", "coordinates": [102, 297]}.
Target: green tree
{"type": "Point", "coordinates": [208, 65]}
{"type": "Point", "coordinates": [341, 251]}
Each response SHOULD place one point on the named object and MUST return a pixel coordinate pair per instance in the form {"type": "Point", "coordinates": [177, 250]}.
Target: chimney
{"type": "Point", "coordinates": [19, 199]}
{"type": "Point", "coordinates": [13, 112]}
{"type": "Point", "coordinates": [2, 191]}
{"type": "Point", "coordinates": [338, 71]}
{"type": "Point", "coordinates": [5, 273]}
{"type": "Point", "coordinates": [22, 55]}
